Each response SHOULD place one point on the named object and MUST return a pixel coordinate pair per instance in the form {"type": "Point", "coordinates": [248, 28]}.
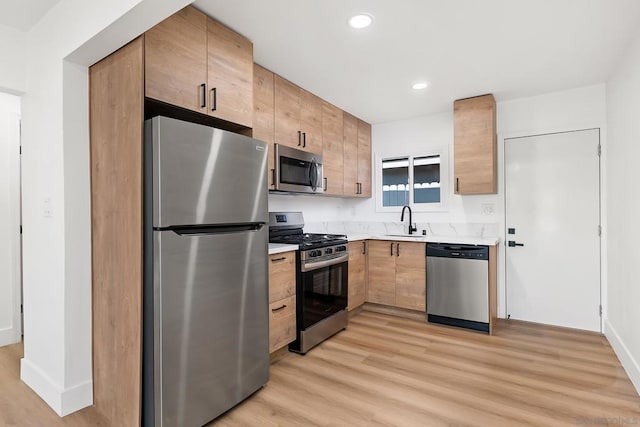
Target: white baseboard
{"type": "Point", "coordinates": [63, 402]}
{"type": "Point", "coordinates": [9, 336]}
{"type": "Point", "coordinates": [629, 364]}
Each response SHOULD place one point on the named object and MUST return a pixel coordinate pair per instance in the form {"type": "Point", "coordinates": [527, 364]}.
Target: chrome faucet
{"type": "Point", "coordinates": [412, 228]}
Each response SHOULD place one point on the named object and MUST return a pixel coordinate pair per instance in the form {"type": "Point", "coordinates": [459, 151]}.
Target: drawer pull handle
{"type": "Point", "coordinates": [279, 259]}
{"type": "Point", "coordinates": [274, 310]}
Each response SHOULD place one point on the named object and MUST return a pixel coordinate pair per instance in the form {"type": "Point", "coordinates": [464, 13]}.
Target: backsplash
{"type": "Point", "coordinates": [480, 230]}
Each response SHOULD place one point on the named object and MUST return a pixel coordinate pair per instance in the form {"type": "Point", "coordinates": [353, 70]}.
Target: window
{"type": "Point", "coordinates": [413, 180]}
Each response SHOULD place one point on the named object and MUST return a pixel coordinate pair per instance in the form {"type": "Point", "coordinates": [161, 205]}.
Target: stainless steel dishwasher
{"type": "Point", "coordinates": [458, 285]}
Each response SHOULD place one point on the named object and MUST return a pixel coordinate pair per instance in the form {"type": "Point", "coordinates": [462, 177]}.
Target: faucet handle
{"type": "Point", "coordinates": [413, 228]}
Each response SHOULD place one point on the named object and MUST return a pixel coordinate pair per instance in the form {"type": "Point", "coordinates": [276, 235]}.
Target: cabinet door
{"type": "Point", "coordinates": [357, 270]}
{"type": "Point", "coordinates": [287, 113]}
{"type": "Point", "coordinates": [311, 122]}
{"type": "Point", "coordinates": [364, 158]}
{"type": "Point", "coordinates": [282, 323]}
{"type": "Point", "coordinates": [332, 149]}
{"type": "Point", "coordinates": [175, 54]}
{"type": "Point", "coordinates": [282, 276]}
{"type": "Point", "coordinates": [411, 275]}
{"type": "Point", "coordinates": [263, 112]}
{"type": "Point", "coordinates": [381, 260]}
{"type": "Point", "coordinates": [475, 148]}
{"type": "Point", "coordinates": [230, 75]}
{"type": "Point", "coordinates": [350, 140]}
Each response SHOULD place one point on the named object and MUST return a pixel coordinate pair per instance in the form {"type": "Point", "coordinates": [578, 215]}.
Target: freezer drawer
{"type": "Point", "coordinates": [211, 347]}
{"type": "Point", "coordinates": [458, 288]}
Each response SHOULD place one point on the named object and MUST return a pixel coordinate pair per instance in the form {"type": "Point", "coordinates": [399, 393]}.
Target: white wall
{"type": "Point", "coordinates": [12, 60]}
{"type": "Point", "coordinates": [579, 108]}
{"type": "Point", "coordinates": [56, 199]}
{"type": "Point", "coordinates": [623, 206]}
{"type": "Point", "coordinates": [10, 327]}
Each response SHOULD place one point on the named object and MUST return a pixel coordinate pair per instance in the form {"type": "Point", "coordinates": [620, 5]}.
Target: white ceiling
{"type": "Point", "coordinates": [511, 48]}
{"type": "Point", "coordinates": [24, 14]}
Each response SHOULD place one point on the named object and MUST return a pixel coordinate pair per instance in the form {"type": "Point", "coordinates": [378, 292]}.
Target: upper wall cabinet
{"type": "Point", "coordinates": [298, 117]}
{"type": "Point", "coordinates": [176, 60]}
{"type": "Point", "coordinates": [263, 111]}
{"type": "Point", "coordinates": [197, 63]}
{"type": "Point", "coordinates": [230, 74]}
{"type": "Point", "coordinates": [332, 149]}
{"type": "Point", "coordinates": [357, 156]}
{"type": "Point", "coordinates": [475, 148]}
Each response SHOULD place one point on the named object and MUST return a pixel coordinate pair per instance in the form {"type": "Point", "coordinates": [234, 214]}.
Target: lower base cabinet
{"type": "Point", "coordinates": [282, 323]}
{"type": "Point", "coordinates": [397, 274]}
{"type": "Point", "coordinates": [357, 274]}
{"type": "Point", "coordinates": [282, 300]}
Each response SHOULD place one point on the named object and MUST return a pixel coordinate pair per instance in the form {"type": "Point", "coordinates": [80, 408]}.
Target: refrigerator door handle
{"type": "Point", "coordinates": [194, 230]}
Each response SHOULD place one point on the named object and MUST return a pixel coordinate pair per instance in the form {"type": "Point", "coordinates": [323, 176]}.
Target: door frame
{"type": "Point", "coordinates": [14, 334]}
{"type": "Point", "coordinates": [502, 284]}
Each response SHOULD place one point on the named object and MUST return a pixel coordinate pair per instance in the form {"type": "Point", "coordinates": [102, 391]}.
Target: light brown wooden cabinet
{"type": "Point", "coordinates": [397, 274]}
{"type": "Point", "coordinates": [175, 56]}
{"type": "Point", "coordinates": [282, 300]}
{"type": "Point", "coordinates": [357, 156]}
{"type": "Point", "coordinates": [332, 149]}
{"type": "Point", "coordinates": [196, 63]}
{"type": "Point", "coordinates": [475, 148]}
{"type": "Point", "coordinates": [364, 158]}
{"type": "Point", "coordinates": [230, 74]}
{"type": "Point", "coordinates": [263, 112]}
{"type": "Point", "coordinates": [357, 274]}
{"type": "Point", "coordinates": [298, 117]}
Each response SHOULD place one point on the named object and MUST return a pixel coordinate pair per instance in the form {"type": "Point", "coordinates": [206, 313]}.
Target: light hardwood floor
{"type": "Point", "coordinates": [390, 371]}
{"type": "Point", "coordinates": [385, 370]}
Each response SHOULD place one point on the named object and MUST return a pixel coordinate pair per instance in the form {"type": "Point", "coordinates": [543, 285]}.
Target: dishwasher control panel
{"type": "Point", "coordinates": [446, 250]}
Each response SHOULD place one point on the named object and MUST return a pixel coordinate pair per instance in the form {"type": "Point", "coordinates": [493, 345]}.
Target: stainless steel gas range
{"type": "Point", "coordinates": [321, 279]}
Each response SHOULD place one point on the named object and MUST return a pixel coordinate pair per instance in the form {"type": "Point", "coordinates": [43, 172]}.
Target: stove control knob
{"type": "Point", "coordinates": [328, 251]}
{"type": "Point", "coordinates": [341, 248]}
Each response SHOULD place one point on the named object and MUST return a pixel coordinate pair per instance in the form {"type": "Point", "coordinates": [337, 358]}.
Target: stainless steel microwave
{"type": "Point", "coordinates": [298, 171]}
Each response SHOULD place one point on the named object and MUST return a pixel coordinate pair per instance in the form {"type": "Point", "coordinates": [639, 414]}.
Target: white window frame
{"type": "Point", "coordinates": [442, 206]}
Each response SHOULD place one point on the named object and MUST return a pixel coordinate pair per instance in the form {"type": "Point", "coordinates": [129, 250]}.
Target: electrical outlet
{"type": "Point", "coordinates": [488, 209]}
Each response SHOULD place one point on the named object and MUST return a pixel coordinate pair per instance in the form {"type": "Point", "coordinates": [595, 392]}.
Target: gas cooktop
{"type": "Point", "coordinates": [286, 227]}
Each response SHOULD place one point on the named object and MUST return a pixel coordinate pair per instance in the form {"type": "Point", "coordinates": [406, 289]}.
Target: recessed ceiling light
{"type": "Point", "coordinates": [360, 21]}
{"type": "Point", "coordinates": [420, 85]}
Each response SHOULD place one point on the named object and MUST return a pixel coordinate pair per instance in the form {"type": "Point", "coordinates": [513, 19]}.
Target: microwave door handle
{"type": "Point", "coordinates": [319, 179]}
{"type": "Point", "coordinates": [313, 175]}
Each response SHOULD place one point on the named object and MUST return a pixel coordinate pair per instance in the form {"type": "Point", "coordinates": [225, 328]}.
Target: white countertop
{"type": "Point", "coordinates": [278, 248]}
{"type": "Point", "coordinates": [462, 240]}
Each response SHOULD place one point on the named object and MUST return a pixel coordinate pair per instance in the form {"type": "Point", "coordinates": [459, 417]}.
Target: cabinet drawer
{"type": "Point", "coordinates": [282, 276]}
{"type": "Point", "coordinates": [282, 323]}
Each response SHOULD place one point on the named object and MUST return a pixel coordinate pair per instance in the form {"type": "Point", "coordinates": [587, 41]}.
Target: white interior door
{"type": "Point", "coordinates": [552, 197]}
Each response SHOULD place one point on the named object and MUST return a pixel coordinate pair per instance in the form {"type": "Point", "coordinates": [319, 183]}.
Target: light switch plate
{"type": "Point", "coordinates": [488, 209]}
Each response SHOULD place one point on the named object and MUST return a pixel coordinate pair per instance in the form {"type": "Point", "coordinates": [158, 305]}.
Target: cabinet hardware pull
{"type": "Point", "coordinates": [203, 93]}
{"type": "Point", "coordinates": [325, 183]}
{"type": "Point", "coordinates": [457, 185]}
{"type": "Point", "coordinates": [397, 249]}
{"type": "Point", "coordinates": [214, 102]}
{"type": "Point", "coordinates": [273, 310]}
{"type": "Point", "coordinates": [279, 259]}
{"type": "Point", "coordinates": [299, 138]}
{"type": "Point", "coordinates": [364, 247]}
{"type": "Point", "coordinates": [304, 139]}
{"type": "Point", "coordinates": [392, 249]}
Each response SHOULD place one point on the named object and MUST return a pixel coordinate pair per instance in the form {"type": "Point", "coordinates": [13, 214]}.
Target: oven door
{"type": "Point", "coordinates": [298, 171]}
{"type": "Point", "coordinates": [324, 293]}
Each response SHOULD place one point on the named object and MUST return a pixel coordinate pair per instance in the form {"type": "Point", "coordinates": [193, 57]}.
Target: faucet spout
{"type": "Point", "coordinates": [411, 227]}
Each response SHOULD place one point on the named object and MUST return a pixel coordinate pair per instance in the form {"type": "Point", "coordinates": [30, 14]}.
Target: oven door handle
{"type": "Point", "coordinates": [325, 263]}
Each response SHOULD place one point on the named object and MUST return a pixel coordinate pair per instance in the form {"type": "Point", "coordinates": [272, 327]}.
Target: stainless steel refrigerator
{"type": "Point", "coordinates": [206, 323]}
